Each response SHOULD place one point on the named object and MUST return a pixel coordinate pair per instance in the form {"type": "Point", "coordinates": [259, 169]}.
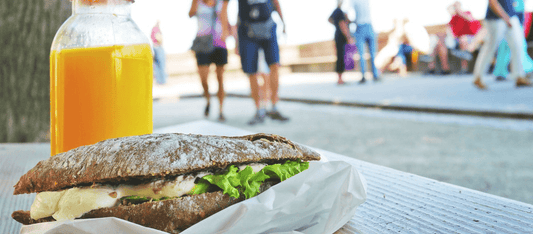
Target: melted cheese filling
{"type": "Point", "coordinates": [73, 203]}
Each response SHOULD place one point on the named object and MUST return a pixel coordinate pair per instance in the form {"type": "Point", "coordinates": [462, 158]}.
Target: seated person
{"type": "Point", "coordinates": [399, 62]}
{"type": "Point", "coordinates": [464, 36]}
{"type": "Point", "coordinates": [403, 39]}
{"type": "Point", "coordinates": [438, 48]}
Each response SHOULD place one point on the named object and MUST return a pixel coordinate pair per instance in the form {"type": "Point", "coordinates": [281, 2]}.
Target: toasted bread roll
{"type": "Point", "coordinates": [155, 155]}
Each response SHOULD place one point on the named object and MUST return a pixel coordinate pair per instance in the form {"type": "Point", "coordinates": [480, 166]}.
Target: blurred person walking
{"type": "Point", "coordinates": [503, 55]}
{"type": "Point", "coordinates": [342, 37]}
{"type": "Point", "coordinates": [364, 33]}
{"type": "Point", "coordinates": [263, 74]}
{"type": "Point", "coordinates": [257, 29]}
{"type": "Point", "coordinates": [501, 21]}
{"type": "Point", "coordinates": [210, 45]}
{"type": "Point", "coordinates": [160, 73]}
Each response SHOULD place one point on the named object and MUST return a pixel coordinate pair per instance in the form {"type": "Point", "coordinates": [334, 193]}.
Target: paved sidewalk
{"type": "Point", "coordinates": [435, 94]}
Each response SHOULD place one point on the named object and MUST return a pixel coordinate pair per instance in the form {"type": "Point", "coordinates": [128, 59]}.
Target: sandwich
{"type": "Point", "coordinates": [167, 182]}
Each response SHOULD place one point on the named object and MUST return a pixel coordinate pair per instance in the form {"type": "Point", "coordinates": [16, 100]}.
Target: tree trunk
{"type": "Point", "coordinates": [27, 28]}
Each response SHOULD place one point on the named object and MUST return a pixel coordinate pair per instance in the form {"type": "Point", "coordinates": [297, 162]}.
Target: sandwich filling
{"type": "Point", "coordinates": [245, 179]}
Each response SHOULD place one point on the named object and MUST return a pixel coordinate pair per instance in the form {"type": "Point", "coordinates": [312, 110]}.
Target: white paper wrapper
{"type": "Point", "coordinates": [320, 199]}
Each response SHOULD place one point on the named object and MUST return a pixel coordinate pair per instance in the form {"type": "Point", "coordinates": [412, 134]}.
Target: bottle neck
{"type": "Point", "coordinates": [117, 7]}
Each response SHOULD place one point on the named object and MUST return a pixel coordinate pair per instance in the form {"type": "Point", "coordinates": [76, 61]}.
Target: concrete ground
{"type": "Point", "coordinates": [492, 155]}
{"type": "Point", "coordinates": [452, 92]}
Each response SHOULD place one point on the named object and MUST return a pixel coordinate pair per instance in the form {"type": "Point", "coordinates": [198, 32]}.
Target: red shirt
{"type": "Point", "coordinates": [461, 26]}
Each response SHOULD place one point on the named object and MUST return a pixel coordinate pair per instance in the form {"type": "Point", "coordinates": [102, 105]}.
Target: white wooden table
{"type": "Point", "coordinates": [397, 202]}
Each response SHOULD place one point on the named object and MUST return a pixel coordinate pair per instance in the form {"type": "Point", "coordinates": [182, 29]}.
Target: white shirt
{"type": "Point", "coordinates": [362, 11]}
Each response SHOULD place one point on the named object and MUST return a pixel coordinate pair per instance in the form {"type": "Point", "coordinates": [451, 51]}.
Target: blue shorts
{"type": "Point", "coordinates": [404, 51]}
{"type": "Point", "coordinates": [249, 50]}
{"type": "Point", "coordinates": [219, 56]}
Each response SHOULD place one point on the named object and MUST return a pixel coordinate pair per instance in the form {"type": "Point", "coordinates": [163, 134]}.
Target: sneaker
{"type": "Point", "coordinates": [277, 116]}
{"type": "Point", "coordinates": [462, 54]}
{"type": "Point", "coordinates": [257, 119]}
{"type": "Point", "coordinates": [206, 112]}
{"type": "Point", "coordinates": [480, 84]}
{"type": "Point", "coordinates": [445, 72]}
{"type": "Point", "coordinates": [501, 78]}
{"type": "Point", "coordinates": [221, 118]}
{"type": "Point", "coordinates": [462, 72]}
{"type": "Point", "coordinates": [522, 82]}
{"type": "Point", "coordinates": [431, 72]}
{"type": "Point", "coordinates": [362, 81]}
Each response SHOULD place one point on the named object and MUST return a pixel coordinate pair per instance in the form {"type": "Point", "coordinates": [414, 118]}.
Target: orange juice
{"type": "Point", "coordinates": [99, 93]}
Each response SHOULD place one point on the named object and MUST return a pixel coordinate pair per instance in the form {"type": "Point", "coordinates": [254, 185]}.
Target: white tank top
{"type": "Point", "coordinates": [205, 15]}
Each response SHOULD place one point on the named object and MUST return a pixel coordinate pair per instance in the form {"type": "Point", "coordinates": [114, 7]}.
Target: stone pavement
{"type": "Point", "coordinates": [492, 155]}
{"type": "Point", "coordinates": [434, 94]}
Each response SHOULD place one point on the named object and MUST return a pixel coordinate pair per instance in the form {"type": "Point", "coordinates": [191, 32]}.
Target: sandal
{"type": "Point", "coordinates": [479, 84]}
{"type": "Point", "coordinates": [522, 82]}
{"type": "Point", "coordinates": [221, 118]}
{"type": "Point", "coordinates": [206, 112]}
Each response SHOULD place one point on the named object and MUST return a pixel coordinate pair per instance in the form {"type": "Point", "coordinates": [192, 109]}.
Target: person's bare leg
{"type": "Point", "coordinates": [395, 64]}
{"type": "Point", "coordinates": [443, 55]}
{"type": "Point", "coordinates": [264, 89]}
{"type": "Point", "coordinates": [340, 81]}
{"type": "Point", "coordinates": [431, 65]}
{"type": "Point", "coordinates": [221, 93]}
{"type": "Point", "coordinates": [254, 87]}
{"type": "Point", "coordinates": [478, 39]}
{"type": "Point", "coordinates": [274, 83]}
{"type": "Point", "coordinates": [463, 44]}
{"type": "Point", "coordinates": [402, 70]}
{"type": "Point", "coordinates": [203, 71]}
{"type": "Point", "coordinates": [255, 92]}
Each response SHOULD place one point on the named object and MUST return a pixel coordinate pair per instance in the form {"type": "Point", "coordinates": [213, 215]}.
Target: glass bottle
{"type": "Point", "coordinates": [100, 76]}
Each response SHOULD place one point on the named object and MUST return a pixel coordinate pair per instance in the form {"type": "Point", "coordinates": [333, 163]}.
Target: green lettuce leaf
{"type": "Point", "coordinates": [235, 182]}
{"type": "Point", "coordinates": [227, 181]}
{"type": "Point", "coordinates": [285, 170]}
{"type": "Point", "coordinates": [250, 181]}
{"type": "Point", "coordinates": [200, 187]}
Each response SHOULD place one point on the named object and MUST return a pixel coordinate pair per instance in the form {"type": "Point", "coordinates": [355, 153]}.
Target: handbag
{"type": "Point", "coordinates": [349, 62]}
{"type": "Point", "coordinates": [203, 44]}
{"type": "Point", "coordinates": [260, 30]}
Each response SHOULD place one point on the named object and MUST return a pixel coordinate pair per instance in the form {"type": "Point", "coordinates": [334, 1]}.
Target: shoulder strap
{"type": "Point", "coordinates": [215, 14]}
